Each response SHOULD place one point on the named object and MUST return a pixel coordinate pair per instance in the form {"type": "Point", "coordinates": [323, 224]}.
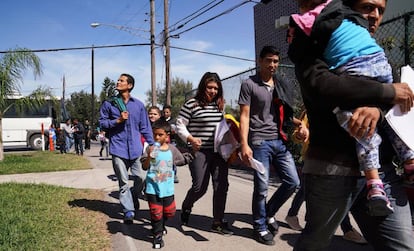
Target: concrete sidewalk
{"type": "Point", "coordinates": [196, 236]}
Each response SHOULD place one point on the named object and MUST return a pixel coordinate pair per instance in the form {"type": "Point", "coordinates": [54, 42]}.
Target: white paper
{"type": "Point", "coordinates": [221, 130]}
{"type": "Point", "coordinates": [255, 164]}
{"type": "Point", "coordinates": [401, 123]}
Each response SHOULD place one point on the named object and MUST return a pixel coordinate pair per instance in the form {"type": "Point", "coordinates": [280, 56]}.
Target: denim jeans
{"type": "Point", "coordinates": [328, 199]}
{"type": "Point", "coordinates": [69, 143]}
{"type": "Point", "coordinates": [127, 195]}
{"type": "Point", "coordinates": [272, 152]}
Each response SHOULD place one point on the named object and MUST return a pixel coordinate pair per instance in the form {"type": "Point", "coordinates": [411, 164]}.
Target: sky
{"type": "Point", "coordinates": [47, 24]}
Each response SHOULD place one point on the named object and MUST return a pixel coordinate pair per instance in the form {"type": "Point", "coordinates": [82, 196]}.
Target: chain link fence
{"type": "Point", "coordinates": [396, 36]}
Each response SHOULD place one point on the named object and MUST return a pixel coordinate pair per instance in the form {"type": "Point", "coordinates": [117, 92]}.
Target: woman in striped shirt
{"type": "Point", "coordinates": [196, 125]}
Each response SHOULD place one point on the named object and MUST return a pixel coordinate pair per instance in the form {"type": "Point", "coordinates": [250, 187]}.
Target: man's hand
{"type": "Point", "coordinates": [302, 133]}
{"type": "Point", "coordinates": [403, 96]}
{"type": "Point", "coordinates": [246, 154]}
{"type": "Point", "coordinates": [124, 116]}
{"type": "Point", "coordinates": [364, 119]}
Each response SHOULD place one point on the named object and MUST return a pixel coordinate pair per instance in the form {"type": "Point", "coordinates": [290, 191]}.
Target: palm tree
{"type": "Point", "coordinates": [13, 65]}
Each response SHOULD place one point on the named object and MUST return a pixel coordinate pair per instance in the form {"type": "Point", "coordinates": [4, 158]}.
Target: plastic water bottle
{"type": "Point", "coordinates": [343, 118]}
{"type": "Point", "coordinates": [155, 150]}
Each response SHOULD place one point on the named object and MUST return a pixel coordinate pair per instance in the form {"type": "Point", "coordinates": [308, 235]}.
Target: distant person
{"type": "Point", "coordinates": [266, 108]}
{"type": "Point", "coordinates": [61, 140]}
{"type": "Point", "coordinates": [196, 125]}
{"type": "Point", "coordinates": [154, 114]}
{"type": "Point", "coordinates": [52, 134]}
{"type": "Point", "coordinates": [78, 135]}
{"type": "Point", "coordinates": [104, 144]}
{"type": "Point", "coordinates": [68, 130]}
{"type": "Point", "coordinates": [167, 116]}
{"type": "Point", "coordinates": [159, 187]}
{"type": "Point", "coordinates": [125, 119]}
{"type": "Point", "coordinates": [87, 134]}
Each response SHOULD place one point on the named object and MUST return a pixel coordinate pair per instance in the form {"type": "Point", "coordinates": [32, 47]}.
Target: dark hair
{"type": "Point", "coordinates": [162, 124]}
{"type": "Point", "coordinates": [201, 90]}
{"type": "Point", "coordinates": [351, 3]}
{"type": "Point", "coordinates": [167, 107]}
{"type": "Point", "coordinates": [268, 49]}
{"type": "Point", "coordinates": [155, 108]}
{"type": "Point", "coordinates": [130, 80]}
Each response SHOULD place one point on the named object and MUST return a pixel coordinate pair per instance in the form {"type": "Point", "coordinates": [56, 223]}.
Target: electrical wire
{"type": "Point", "coordinates": [194, 13]}
{"type": "Point", "coordinates": [214, 17]}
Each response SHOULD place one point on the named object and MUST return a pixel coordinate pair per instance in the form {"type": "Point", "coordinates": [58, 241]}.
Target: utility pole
{"type": "Point", "coordinates": [152, 31]}
{"type": "Point", "coordinates": [167, 56]}
{"type": "Point", "coordinates": [93, 87]}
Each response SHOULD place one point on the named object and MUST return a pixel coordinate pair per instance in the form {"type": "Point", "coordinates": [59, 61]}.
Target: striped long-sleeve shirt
{"type": "Point", "coordinates": [200, 122]}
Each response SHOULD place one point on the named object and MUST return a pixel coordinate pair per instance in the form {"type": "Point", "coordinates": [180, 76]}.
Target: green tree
{"type": "Point", "coordinates": [80, 106]}
{"type": "Point", "coordinates": [13, 65]}
{"type": "Point", "coordinates": [179, 87]}
{"type": "Point", "coordinates": [108, 89]}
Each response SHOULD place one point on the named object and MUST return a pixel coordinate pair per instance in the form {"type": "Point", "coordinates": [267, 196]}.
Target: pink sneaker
{"type": "Point", "coordinates": [378, 202]}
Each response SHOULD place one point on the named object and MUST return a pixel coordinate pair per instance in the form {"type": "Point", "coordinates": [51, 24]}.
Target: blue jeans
{"type": "Point", "coordinates": [69, 143]}
{"type": "Point", "coordinates": [328, 199]}
{"type": "Point", "coordinates": [272, 152]}
{"type": "Point", "coordinates": [127, 195]}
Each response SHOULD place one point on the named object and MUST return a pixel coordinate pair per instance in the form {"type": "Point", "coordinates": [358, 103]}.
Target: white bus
{"type": "Point", "coordinates": [24, 128]}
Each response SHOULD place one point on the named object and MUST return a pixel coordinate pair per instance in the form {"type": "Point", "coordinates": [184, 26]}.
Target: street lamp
{"type": "Point", "coordinates": [152, 39]}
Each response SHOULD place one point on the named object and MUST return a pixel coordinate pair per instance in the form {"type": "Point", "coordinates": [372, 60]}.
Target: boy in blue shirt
{"type": "Point", "coordinates": [160, 179]}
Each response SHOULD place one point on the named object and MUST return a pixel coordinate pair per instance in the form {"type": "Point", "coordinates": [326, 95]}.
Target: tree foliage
{"type": "Point", "coordinates": [108, 89]}
{"type": "Point", "coordinates": [13, 65]}
{"type": "Point", "coordinates": [80, 106]}
{"type": "Point", "coordinates": [179, 89]}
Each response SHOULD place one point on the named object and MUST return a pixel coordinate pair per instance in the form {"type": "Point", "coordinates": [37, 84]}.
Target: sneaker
{"type": "Point", "coordinates": [185, 216]}
{"type": "Point", "coordinates": [293, 223]}
{"type": "Point", "coordinates": [157, 242]}
{"type": "Point", "coordinates": [264, 237]}
{"type": "Point", "coordinates": [272, 226]}
{"type": "Point", "coordinates": [355, 237]}
{"type": "Point", "coordinates": [221, 228]}
{"type": "Point", "coordinates": [378, 203]}
{"type": "Point", "coordinates": [129, 217]}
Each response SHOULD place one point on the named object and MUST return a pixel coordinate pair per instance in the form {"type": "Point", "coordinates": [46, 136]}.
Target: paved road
{"type": "Point", "coordinates": [196, 236]}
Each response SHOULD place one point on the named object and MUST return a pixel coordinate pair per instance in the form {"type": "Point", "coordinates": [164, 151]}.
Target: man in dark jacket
{"type": "Point", "coordinates": [78, 134]}
{"type": "Point", "coordinates": [333, 182]}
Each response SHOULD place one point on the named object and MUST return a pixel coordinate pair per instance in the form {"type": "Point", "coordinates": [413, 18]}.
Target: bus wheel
{"type": "Point", "coordinates": [36, 142]}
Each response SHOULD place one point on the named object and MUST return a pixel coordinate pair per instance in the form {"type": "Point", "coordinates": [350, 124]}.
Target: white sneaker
{"type": "Point", "coordinates": [354, 236]}
{"type": "Point", "coordinates": [293, 223]}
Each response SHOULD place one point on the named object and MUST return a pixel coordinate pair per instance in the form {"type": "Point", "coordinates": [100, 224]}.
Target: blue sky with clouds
{"type": "Point", "coordinates": [65, 24]}
{"type": "Point", "coordinates": [47, 24]}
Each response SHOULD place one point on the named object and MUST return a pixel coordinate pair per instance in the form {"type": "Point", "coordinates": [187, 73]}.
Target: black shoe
{"type": "Point", "coordinates": [221, 228]}
{"type": "Point", "coordinates": [157, 242]}
{"type": "Point", "coordinates": [136, 205]}
{"type": "Point", "coordinates": [185, 216]}
{"type": "Point", "coordinates": [129, 217]}
{"type": "Point", "coordinates": [273, 227]}
{"type": "Point", "coordinates": [265, 238]}
{"type": "Point", "coordinates": [176, 179]}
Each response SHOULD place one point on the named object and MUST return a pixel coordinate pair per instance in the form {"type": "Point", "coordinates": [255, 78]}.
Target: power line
{"type": "Point", "coordinates": [78, 48]}
{"type": "Point", "coordinates": [195, 14]}
{"type": "Point", "coordinates": [212, 53]}
{"type": "Point", "coordinates": [214, 17]}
